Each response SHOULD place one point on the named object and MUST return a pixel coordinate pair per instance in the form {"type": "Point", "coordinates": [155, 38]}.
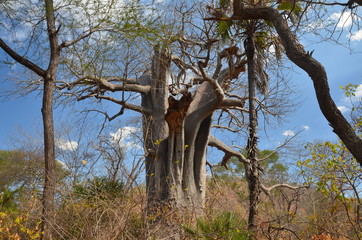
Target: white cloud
{"type": "Point", "coordinates": [272, 49]}
{"type": "Point", "coordinates": [66, 145]}
{"type": "Point", "coordinates": [344, 20]}
{"type": "Point", "coordinates": [305, 127]}
{"type": "Point", "coordinates": [288, 133]}
{"type": "Point", "coordinates": [356, 36]}
{"type": "Point", "coordinates": [123, 133]}
{"type": "Point", "coordinates": [63, 164]}
{"type": "Point", "coordinates": [124, 137]}
{"type": "Point", "coordinates": [343, 109]}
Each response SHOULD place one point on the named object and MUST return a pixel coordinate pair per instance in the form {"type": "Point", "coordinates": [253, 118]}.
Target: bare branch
{"type": "Point", "coordinates": [286, 141]}
{"type": "Point", "coordinates": [225, 127]}
{"type": "Point", "coordinates": [282, 185]}
{"type": "Point", "coordinates": [229, 152]}
{"type": "Point", "coordinates": [22, 60]}
{"type": "Point", "coordinates": [125, 104]}
{"type": "Point", "coordinates": [264, 107]}
{"type": "Point", "coordinates": [230, 102]}
{"type": "Point", "coordinates": [81, 37]}
{"type": "Point", "coordinates": [215, 85]}
{"type": "Point", "coordinates": [179, 62]}
{"type": "Point", "coordinates": [130, 85]}
{"type": "Point", "coordinates": [349, 3]}
{"type": "Point", "coordinates": [283, 228]}
{"type": "Point", "coordinates": [233, 116]}
{"type": "Point", "coordinates": [106, 114]}
{"type": "Point", "coordinates": [227, 52]}
{"type": "Point", "coordinates": [235, 96]}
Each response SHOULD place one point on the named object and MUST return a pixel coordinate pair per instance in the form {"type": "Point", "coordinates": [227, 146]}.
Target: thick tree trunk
{"type": "Point", "coordinates": [252, 174]}
{"type": "Point", "coordinates": [176, 137]}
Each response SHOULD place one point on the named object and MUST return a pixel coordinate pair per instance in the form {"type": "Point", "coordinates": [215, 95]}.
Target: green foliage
{"type": "Point", "coordinates": [20, 174]}
{"type": "Point", "coordinates": [223, 3]}
{"type": "Point", "coordinates": [224, 28]}
{"type": "Point", "coordinates": [138, 24]}
{"type": "Point", "coordinates": [100, 188]}
{"type": "Point", "coordinates": [334, 173]}
{"type": "Point", "coordinates": [224, 25]}
{"type": "Point", "coordinates": [292, 6]}
{"type": "Point", "coordinates": [262, 39]}
{"type": "Point", "coordinates": [226, 225]}
{"type": "Point", "coordinates": [18, 226]}
{"type": "Point", "coordinates": [8, 200]}
{"type": "Point", "coordinates": [331, 168]}
{"type": "Point", "coordinates": [12, 168]}
{"type": "Point", "coordinates": [23, 169]}
{"type": "Point", "coordinates": [274, 170]}
{"type": "Point", "coordinates": [235, 168]}
{"type": "Point", "coordinates": [350, 90]}
{"type": "Point", "coordinates": [356, 105]}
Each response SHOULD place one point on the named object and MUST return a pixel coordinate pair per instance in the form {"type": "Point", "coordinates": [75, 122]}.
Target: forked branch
{"type": "Point", "coordinates": [229, 152]}
{"type": "Point", "coordinates": [105, 84]}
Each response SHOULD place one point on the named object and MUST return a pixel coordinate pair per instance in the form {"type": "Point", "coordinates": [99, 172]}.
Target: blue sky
{"type": "Point", "coordinates": [342, 68]}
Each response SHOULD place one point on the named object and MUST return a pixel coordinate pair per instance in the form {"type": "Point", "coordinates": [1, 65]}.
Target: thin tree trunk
{"type": "Point", "coordinates": [49, 157]}
{"type": "Point", "coordinates": [48, 76]}
{"type": "Point", "coordinates": [253, 172]}
{"type": "Point", "coordinates": [47, 115]}
{"type": "Point", "coordinates": [48, 219]}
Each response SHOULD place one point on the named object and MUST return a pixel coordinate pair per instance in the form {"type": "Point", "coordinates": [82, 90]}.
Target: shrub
{"type": "Point", "coordinates": [225, 226]}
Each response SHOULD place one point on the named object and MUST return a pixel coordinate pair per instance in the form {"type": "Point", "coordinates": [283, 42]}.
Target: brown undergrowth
{"type": "Point", "coordinates": [102, 215]}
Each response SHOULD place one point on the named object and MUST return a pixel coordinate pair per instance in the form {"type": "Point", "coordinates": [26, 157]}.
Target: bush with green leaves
{"type": "Point", "coordinates": [227, 226]}
{"type": "Point", "coordinates": [332, 171]}
{"type": "Point", "coordinates": [274, 170]}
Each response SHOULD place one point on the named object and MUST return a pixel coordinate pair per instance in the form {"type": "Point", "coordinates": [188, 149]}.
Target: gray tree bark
{"type": "Point", "coordinates": [176, 137]}
{"type": "Point", "coordinates": [176, 134]}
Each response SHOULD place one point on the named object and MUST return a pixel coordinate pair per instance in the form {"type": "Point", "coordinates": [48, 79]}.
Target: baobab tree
{"type": "Point", "coordinates": [193, 72]}
{"type": "Point", "coordinates": [175, 128]}
{"type": "Point", "coordinates": [178, 97]}
{"type": "Point", "coordinates": [187, 80]}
